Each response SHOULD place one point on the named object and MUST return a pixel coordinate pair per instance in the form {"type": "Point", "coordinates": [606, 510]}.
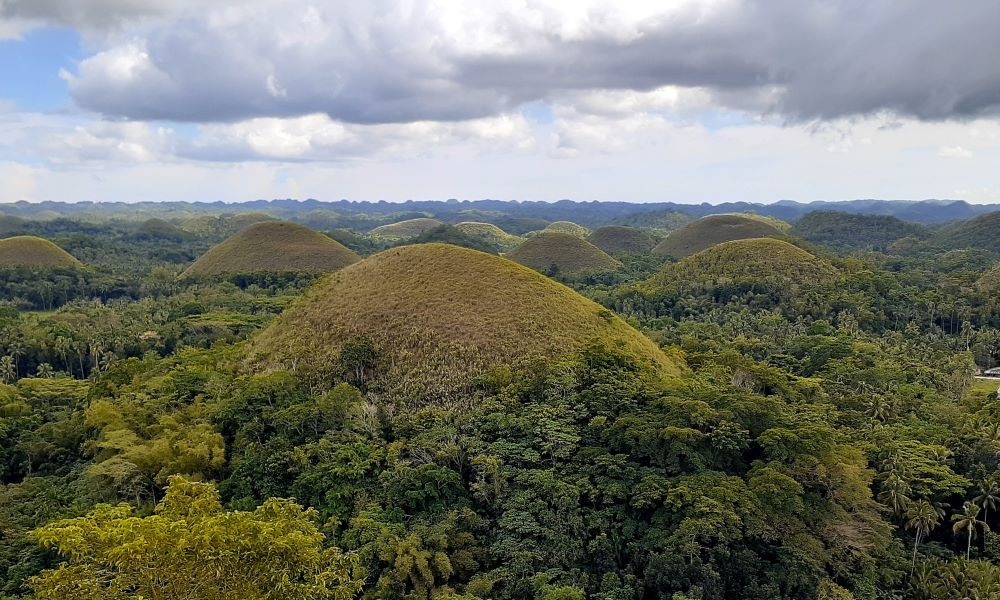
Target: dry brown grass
{"type": "Point", "coordinates": [564, 253]}
{"type": "Point", "coordinates": [567, 227]}
{"type": "Point", "coordinates": [31, 251]}
{"type": "Point", "coordinates": [273, 247]}
{"type": "Point", "coordinates": [619, 239]}
{"type": "Point", "coordinates": [715, 229]}
{"type": "Point", "coordinates": [404, 230]}
{"type": "Point", "coordinates": [440, 315]}
{"type": "Point", "coordinates": [490, 233]}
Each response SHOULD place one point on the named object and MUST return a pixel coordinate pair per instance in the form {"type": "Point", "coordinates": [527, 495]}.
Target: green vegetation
{"type": "Point", "coordinates": [273, 247]}
{"type": "Point", "coordinates": [562, 254]}
{"type": "Point", "coordinates": [403, 230]}
{"type": "Point", "coordinates": [567, 227]}
{"type": "Point", "coordinates": [715, 229]}
{"type": "Point", "coordinates": [990, 281]}
{"type": "Point", "coordinates": [762, 419]}
{"type": "Point", "coordinates": [434, 318]}
{"type": "Point", "coordinates": [618, 239]}
{"type": "Point", "coordinates": [979, 232]}
{"type": "Point", "coordinates": [845, 232]}
{"type": "Point", "coordinates": [492, 234]}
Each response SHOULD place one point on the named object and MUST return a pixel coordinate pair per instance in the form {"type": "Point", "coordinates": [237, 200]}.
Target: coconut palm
{"type": "Point", "coordinates": [922, 518]}
{"type": "Point", "coordinates": [967, 520]}
{"type": "Point", "coordinates": [989, 495]}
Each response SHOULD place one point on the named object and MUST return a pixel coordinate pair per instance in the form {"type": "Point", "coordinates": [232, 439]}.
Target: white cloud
{"type": "Point", "coordinates": [17, 182]}
{"type": "Point", "coordinates": [955, 152]}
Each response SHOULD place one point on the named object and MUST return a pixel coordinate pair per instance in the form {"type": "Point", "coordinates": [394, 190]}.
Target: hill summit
{"type": "Point", "coordinates": [563, 253]}
{"type": "Point", "coordinates": [436, 317]}
{"type": "Point", "coordinates": [619, 239]}
{"type": "Point", "coordinates": [273, 247]}
{"type": "Point", "coordinates": [403, 230]}
{"type": "Point", "coordinates": [31, 251]}
{"type": "Point", "coordinates": [753, 261]}
{"type": "Point", "coordinates": [715, 229]}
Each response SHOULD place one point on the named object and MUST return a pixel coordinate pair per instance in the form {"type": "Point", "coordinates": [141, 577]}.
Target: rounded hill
{"type": "Point", "coordinates": [982, 233]}
{"type": "Point", "coordinates": [567, 227]}
{"type": "Point", "coordinates": [489, 233]}
{"type": "Point", "coordinates": [714, 229]}
{"type": "Point", "coordinates": [410, 228]}
{"type": "Point", "coordinates": [845, 232]}
{"type": "Point", "coordinates": [437, 316]}
{"type": "Point", "coordinates": [562, 253]}
{"type": "Point", "coordinates": [619, 239]}
{"type": "Point", "coordinates": [753, 261]}
{"type": "Point", "coordinates": [31, 251]}
{"type": "Point", "coordinates": [990, 281]}
{"type": "Point", "coordinates": [273, 247]}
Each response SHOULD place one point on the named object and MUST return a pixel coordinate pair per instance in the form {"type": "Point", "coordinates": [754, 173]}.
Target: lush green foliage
{"type": "Point", "coordinates": [847, 232]}
{"type": "Point", "coordinates": [453, 425]}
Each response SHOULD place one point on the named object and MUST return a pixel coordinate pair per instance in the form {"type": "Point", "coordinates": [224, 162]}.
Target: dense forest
{"type": "Point", "coordinates": [479, 401]}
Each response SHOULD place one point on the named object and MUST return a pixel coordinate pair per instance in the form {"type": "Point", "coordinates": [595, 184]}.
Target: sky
{"type": "Point", "coordinates": [669, 100]}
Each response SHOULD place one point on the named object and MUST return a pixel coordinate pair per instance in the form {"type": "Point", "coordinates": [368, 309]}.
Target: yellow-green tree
{"type": "Point", "coordinates": [192, 549]}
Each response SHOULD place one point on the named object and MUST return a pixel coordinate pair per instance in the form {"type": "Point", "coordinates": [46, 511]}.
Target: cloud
{"type": "Point", "coordinates": [392, 62]}
{"type": "Point", "coordinates": [955, 152]}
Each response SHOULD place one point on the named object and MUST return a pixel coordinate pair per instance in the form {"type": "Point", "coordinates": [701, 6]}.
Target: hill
{"type": "Point", "coordinates": [715, 229]}
{"type": "Point", "coordinates": [273, 247]}
{"type": "Point", "coordinates": [755, 261]}
{"type": "Point", "coordinates": [490, 233]}
{"type": "Point", "coordinates": [982, 232]}
{"type": "Point", "coordinates": [562, 253]}
{"type": "Point", "coordinates": [618, 239]}
{"type": "Point", "coordinates": [437, 316]}
{"type": "Point", "coordinates": [410, 228]}
{"type": "Point", "coordinates": [845, 232]}
{"type": "Point", "coordinates": [159, 229]}
{"type": "Point", "coordinates": [31, 251]}
{"type": "Point", "coordinates": [990, 281]}
{"type": "Point", "coordinates": [567, 227]}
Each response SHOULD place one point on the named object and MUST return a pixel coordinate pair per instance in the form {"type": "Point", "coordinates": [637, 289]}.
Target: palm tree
{"type": "Point", "coordinates": [922, 518]}
{"type": "Point", "coordinates": [967, 520]}
{"type": "Point", "coordinates": [989, 495]}
{"type": "Point", "coordinates": [894, 493]}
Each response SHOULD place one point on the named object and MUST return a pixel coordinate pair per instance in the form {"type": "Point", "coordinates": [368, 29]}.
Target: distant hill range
{"type": "Point", "coordinates": [516, 216]}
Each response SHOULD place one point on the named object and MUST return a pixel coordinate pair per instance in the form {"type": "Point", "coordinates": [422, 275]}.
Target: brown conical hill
{"type": "Point", "coordinates": [31, 251]}
{"type": "Point", "coordinates": [753, 261]}
{"type": "Point", "coordinates": [567, 227]}
{"type": "Point", "coordinates": [715, 229]}
{"type": "Point", "coordinates": [619, 239]}
{"type": "Point", "coordinates": [273, 247]}
{"type": "Point", "coordinates": [562, 253]}
{"type": "Point", "coordinates": [439, 316]}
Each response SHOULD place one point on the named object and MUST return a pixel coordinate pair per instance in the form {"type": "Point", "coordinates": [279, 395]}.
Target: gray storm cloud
{"type": "Point", "coordinates": [391, 62]}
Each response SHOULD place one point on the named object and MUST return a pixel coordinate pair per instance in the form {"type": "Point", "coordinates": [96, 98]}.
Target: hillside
{"type": "Point", "coordinates": [438, 315]}
{"type": "Point", "coordinates": [982, 232]}
{"type": "Point", "coordinates": [567, 227]}
{"type": "Point", "coordinates": [716, 229]}
{"type": "Point", "coordinates": [618, 239]}
{"type": "Point", "coordinates": [31, 251]}
{"type": "Point", "coordinates": [845, 232]}
{"type": "Point", "coordinates": [738, 262]}
{"type": "Point", "coordinates": [562, 253]}
{"type": "Point", "coordinates": [159, 229]}
{"type": "Point", "coordinates": [410, 228]}
{"type": "Point", "coordinates": [489, 233]}
{"type": "Point", "coordinates": [273, 247]}
{"type": "Point", "coordinates": [990, 281]}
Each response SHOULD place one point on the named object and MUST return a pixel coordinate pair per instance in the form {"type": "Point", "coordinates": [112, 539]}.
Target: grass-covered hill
{"type": "Point", "coordinates": [490, 233]}
{"type": "Point", "coordinates": [845, 232]}
{"type": "Point", "coordinates": [160, 229]}
{"type": "Point", "coordinates": [31, 251]}
{"type": "Point", "coordinates": [716, 229]}
{"type": "Point", "coordinates": [562, 253]}
{"type": "Point", "coordinates": [567, 227]}
{"type": "Point", "coordinates": [436, 317]}
{"type": "Point", "coordinates": [990, 281]}
{"type": "Point", "coordinates": [223, 225]}
{"type": "Point", "coordinates": [273, 247]}
{"type": "Point", "coordinates": [410, 228]}
{"type": "Point", "coordinates": [982, 233]}
{"type": "Point", "coordinates": [746, 262]}
{"type": "Point", "coordinates": [619, 239]}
